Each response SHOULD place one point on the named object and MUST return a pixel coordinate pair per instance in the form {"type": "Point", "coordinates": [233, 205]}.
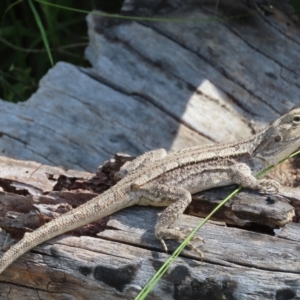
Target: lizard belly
{"type": "Point", "coordinates": [206, 181]}
{"type": "Point", "coordinates": [196, 179]}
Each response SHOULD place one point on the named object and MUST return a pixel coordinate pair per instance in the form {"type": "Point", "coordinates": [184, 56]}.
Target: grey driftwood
{"type": "Point", "coordinates": [191, 82]}
{"type": "Point", "coordinates": [159, 84]}
{"type": "Point", "coordinates": [118, 262]}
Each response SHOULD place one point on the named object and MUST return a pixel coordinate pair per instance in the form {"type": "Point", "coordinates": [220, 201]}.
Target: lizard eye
{"type": "Point", "coordinates": [296, 119]}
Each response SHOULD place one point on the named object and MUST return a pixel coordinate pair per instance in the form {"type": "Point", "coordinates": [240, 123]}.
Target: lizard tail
{"type": "Point", "coordinates": [104, 204]}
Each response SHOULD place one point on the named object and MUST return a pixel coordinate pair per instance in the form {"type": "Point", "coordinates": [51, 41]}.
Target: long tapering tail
{"type": "Point", "coordinates": [97, 208]}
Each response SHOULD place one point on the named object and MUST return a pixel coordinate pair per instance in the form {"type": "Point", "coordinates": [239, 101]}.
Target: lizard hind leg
{"type": "Point", "coordinates": [160, 195]}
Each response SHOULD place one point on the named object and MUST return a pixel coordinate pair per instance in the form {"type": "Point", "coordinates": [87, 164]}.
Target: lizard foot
{"type": "Point", "coordinates": [180, 235]}
{"type": "Point", "coordinates": [188, 231]}
{"type": "Point", "coordinates": [269, 186]}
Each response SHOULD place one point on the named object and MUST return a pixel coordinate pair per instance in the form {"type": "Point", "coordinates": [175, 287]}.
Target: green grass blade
{"type": "Point", "coordinates": [151, 19]}
{"type": "Point", "coordinates": [42, 30]}
{"type": "Point", "coordinates": [158, 275]}
{"type": "Point", "coordinates": [9, 7]}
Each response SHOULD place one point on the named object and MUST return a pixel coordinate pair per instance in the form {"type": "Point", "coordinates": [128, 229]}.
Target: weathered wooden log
{"type": "Point", "coordinates": [154, 84]}
{"type": "Point", "coordinates": [215, 76]}
{"type": "Point", "coordinates": [118, 260]}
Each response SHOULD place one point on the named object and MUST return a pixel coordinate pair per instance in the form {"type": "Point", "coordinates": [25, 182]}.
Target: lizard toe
{"type": "Point", "coordinates": [269, 186]}
{"type": "Point", "coordinates": [179, 235]}
{"type": "Point", "coordinates": [188, 231]}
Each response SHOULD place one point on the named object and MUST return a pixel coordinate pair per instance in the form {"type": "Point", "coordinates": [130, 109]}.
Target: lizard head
{"type": "Point", "coordinates": [280, 139]}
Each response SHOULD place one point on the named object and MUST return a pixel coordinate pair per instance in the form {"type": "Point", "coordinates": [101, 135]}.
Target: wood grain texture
{"type": "Point", "coordinates": [115, 257]}
{"type": "Point", "coordinates": [238, 264]}
{"type": "Point", "coordinates": [152, 85]}
{"type": "Point", "coordinates": [158, 84]}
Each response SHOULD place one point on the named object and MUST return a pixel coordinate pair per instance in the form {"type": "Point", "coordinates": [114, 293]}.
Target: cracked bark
{"type": "Point", "coordinates": [152, 85]}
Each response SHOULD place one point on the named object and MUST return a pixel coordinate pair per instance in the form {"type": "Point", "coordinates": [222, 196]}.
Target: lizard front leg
{"type": "Point", "coordinates": [241, 174]}
{"type": "Point", "coordinates": [178, 200]}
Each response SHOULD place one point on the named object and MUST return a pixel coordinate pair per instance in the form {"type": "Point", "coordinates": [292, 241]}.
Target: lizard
{"type": "Point", "coordinates": [160, 179]}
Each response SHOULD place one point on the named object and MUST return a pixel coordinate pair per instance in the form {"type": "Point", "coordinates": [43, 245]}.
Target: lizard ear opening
{"type": "Point", "coordinates": [278, 138]}
{"type": "Point", "coordinates": [296, 119]}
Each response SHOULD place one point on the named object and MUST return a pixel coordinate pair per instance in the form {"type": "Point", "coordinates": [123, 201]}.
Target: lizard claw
{"type": "Point", "coordinates": [179, 235]}
{"type": "Point", "coordinates": [187, 231]}
{"type": "Point", "coordinates": [269, 186]}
